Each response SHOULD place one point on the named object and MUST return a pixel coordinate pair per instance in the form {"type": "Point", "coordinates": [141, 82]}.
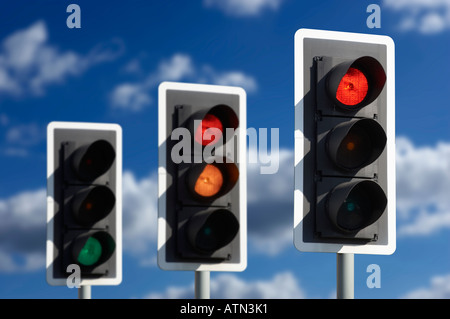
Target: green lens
{"type": "Point", "coordinates": [350, 206]}
{"type": "Point", "coordinates": [207, 231]}
{"type": "Point", "coordinates": [90, 253]}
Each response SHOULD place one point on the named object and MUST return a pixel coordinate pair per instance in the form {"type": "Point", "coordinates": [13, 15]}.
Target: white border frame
{"type": "Point", "coordinates": [300, 35]}
{"type": "Point", "coordinates": [50, 201]}
{"type": "Point", "coordinates": [162, 172]}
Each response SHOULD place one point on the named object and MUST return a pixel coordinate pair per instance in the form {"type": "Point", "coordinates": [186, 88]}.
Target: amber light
{"type": "Point", "coordinates": [353, 87]}
{"type": "Point", "coordinates": [205, 133]}
{"type": "Point", "coordinates": [209, 182]}
{"type": "Point", "coordinates": [350, 146]}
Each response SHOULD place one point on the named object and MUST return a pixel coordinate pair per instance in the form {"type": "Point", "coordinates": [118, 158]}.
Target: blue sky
{"type": "Point", "coordinates": [109, 70]}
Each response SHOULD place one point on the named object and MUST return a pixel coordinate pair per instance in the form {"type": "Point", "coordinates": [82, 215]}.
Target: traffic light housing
{"type": "Point", "coordinates": [202, 177]}
{"type": "Point", "coordinates": [344, 194]}
{"type": "Point", "coordinates": [84, 202]}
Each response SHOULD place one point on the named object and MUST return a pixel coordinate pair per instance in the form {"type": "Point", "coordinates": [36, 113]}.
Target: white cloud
{"type": "Point", "coordinates": [423, 184]}
{"type": "Point", "coordinates": [131, 96]}
{"type": "Point", "coordinates": [439, 288]}
{"type": "Point", "coordinates": [283, 285]}
{"type": "Point", "coordinates": [425, 16]}
{"type": "Point", "coordinates": [20, 139]}
{"type": "Point", "coordinates": [180, 67]}
{"type": "Point", "coordinates": [270, 203]}
{"type": "Point", "coordinates": [243, 7]}
{"type": "Point", "coordinates": [433, 22]}
{"type": "Point", "coordinates": [274, 187]}
{"type": "Point", "coordinates": [22, 231]}
{"type": "Point", "coordinates": [135, 96]}
{"type": "Point", "coordinates": [28, 63]}
{"type": "Point", "coordinates": [235, 78]}
{"type": "Point", "coordinates": [22, 211]}
{"type": "Point", "coordinates": [140, 204]}
{"type": "Point", "coordinates": [21, 48]}
{"type": "Point", "coordinates": [25, 134]}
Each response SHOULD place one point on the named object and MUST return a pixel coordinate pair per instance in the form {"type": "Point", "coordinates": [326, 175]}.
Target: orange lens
{"type": "Point", "coordinates": [205, 134]}
{"type": "Point", "coordinates": [350, 146]}
{"type": "Point", "coordinates": [353, 87]}
{"type": "Point", "coordinates": [209, 182]}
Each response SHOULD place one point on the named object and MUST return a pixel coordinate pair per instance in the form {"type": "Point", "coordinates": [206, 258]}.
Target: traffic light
{"type": "Point", "coordinates": [202, 177]}
{"type": "Point", "coordinates": [344, 194]}
{"type": "Point", "coordinates": [84, 203]}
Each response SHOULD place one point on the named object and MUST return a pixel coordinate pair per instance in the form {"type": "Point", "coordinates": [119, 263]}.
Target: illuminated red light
{"type": "Point", "coordinates": [353, 87]}
{"type": "Point", "coordinates": [208, 131]}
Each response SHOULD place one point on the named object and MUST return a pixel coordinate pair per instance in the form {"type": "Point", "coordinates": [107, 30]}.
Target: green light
{"type": "Point", "coordinates": [207, 231]}
{"type": "Point", "coordinates": [90, 253]}
{"type": "Point", "coordinates": [350, 206]}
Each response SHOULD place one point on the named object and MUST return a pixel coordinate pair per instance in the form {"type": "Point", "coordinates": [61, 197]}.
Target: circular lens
{"type": "Point", "coordinates": [355, 205]}
{"type": "Point", "coordinates": [207, 231]}
{"type": "Point", "coordinates": [209, 182]}
{"type": "Point", "coordinates": [207, 239]}
{"type": "Point", "coordinates": [350, 206]}
{"type": "Point", "coordinates": [356, 210]}
{"type": "Point", "coordinates": [93, 204]}
{"type": "Point", "coordinates": [355, 149]}
{"type": "Point", "coordinates": [353, 87]}
{"type": "Point", "coordinates": [210, 231]}
{"type": "Point", "coordinates": [90, 253]}
{"type": "Point", "coordinates": [96, 159]}
{"type": "Point", "coordinates": [209, 131]}
{"type": "Point", "coordinates": [355, 144]}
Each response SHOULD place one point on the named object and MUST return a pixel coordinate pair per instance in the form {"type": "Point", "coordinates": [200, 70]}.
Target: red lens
{"type": "Point", "coordinates": [209, 131]}
{"type": "Point", "coordinates": [353, 87]}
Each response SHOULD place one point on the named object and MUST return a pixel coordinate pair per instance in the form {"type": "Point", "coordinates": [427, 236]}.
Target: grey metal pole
{"type": "Point", "coordinates": [345, 276]}
{"type": "Point", "coordinates": [84, 292]}
{"type": "Point", "coordinates": [202, 288]}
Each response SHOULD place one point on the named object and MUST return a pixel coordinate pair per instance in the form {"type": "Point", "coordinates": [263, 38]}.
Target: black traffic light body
{"type": "Point", "coordinates": [344, 143]}
{"type": "Point", "coordinates": [202, 186]}
{"type": "Point", "coordinates": [84, 206]}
